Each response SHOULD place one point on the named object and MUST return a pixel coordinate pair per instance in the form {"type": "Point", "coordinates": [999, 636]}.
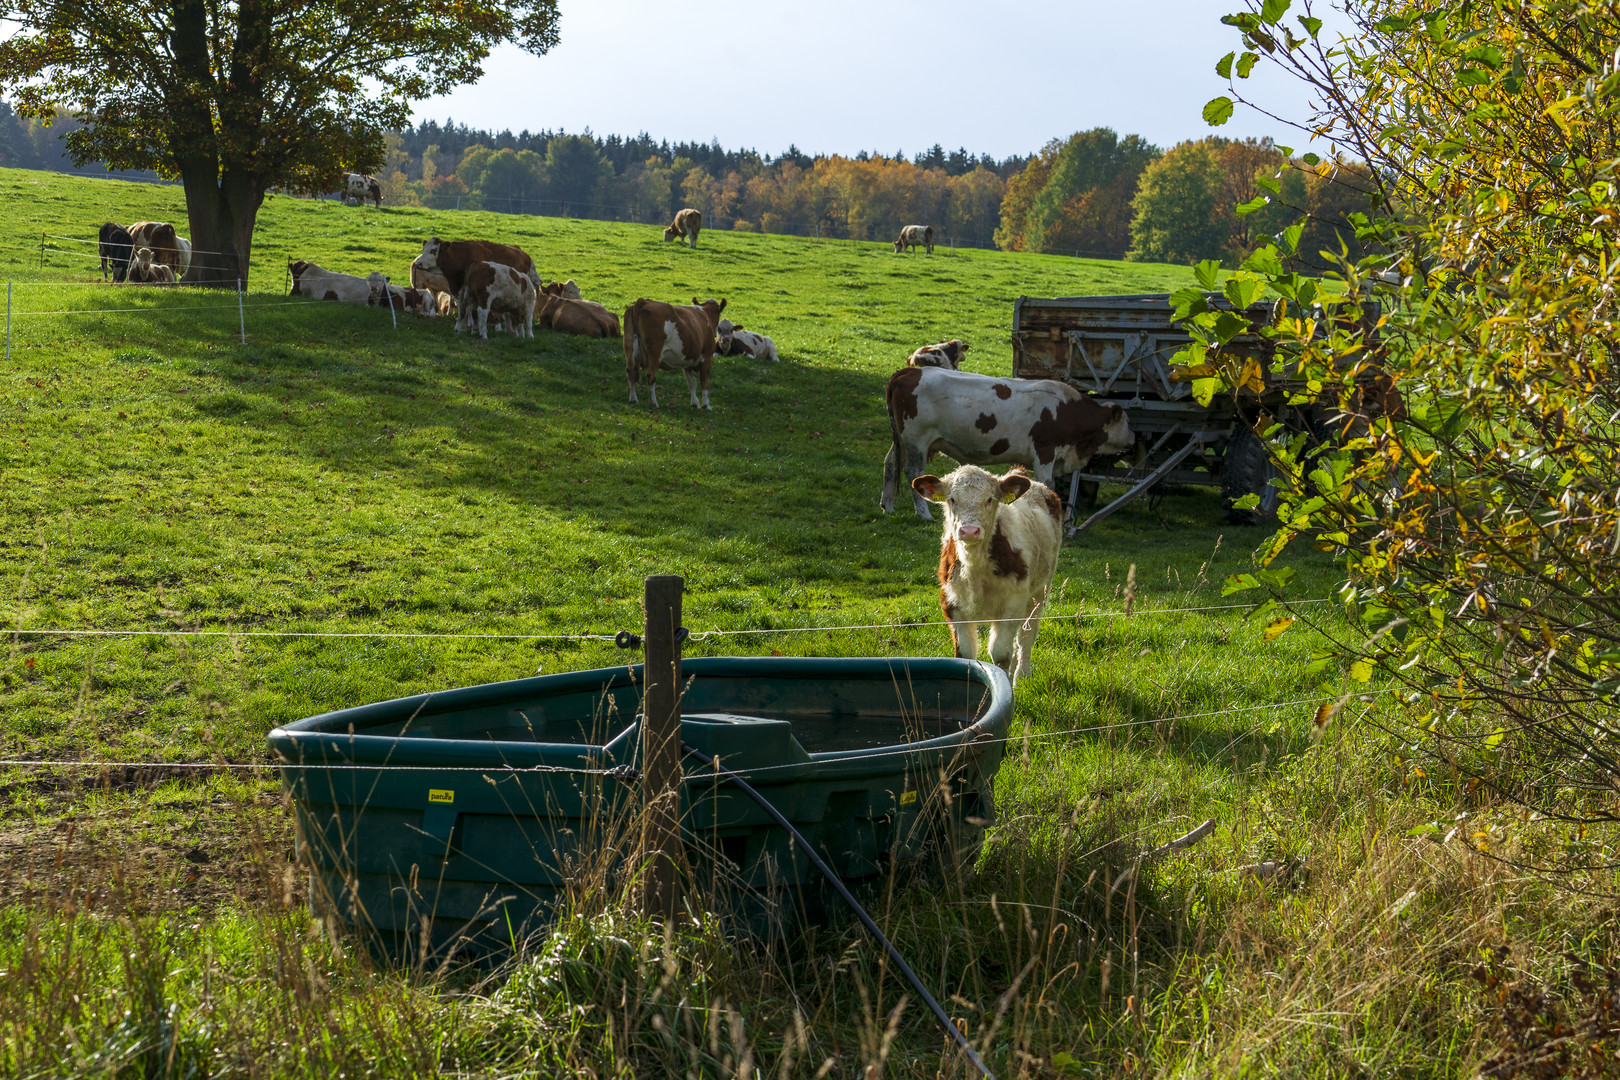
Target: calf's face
{"type": "Point", "coordinates": [430, 255]}
{"type": "Point", "coordinates": [1118, 430]}
{"type": "Point", "coordinates": [971, 497]}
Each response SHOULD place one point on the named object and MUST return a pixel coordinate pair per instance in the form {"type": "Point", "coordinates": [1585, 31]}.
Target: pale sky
{"type": "Point", "coordinates": [839, 76]}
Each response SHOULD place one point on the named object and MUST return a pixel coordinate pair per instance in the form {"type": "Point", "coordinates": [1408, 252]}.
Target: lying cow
{"type": "Point", "coordinates": [358, 188]}
{"type": "Point", "coordinates": [996, 559]}
{"type": "Point", "coordinates": [915, 236]}
{"type": "Point", "coordinates": [565, 289]}
{"type": "Point", "coordinates": [1044, 424]}
{"type": "Point", "coordinates": [451, 259]}
{"type": "Point", "coordinates": [687, 223]}
{"type": "Point", "coordinates": [168, 246]}
{"type": "Point", "coordinates": [491, 288]}
{"type": "Point", "coordinates": [735, 341]}
{"type": "Point", "coordinates": [663, 335]}
{"type": "Point", "coordinates": [145, 269]}
{"type": "Point", "coordinates": [323, 284]}
{"type": "Point", "coordinates": [115, 246]}
{"type": "Point", "coordinates": [947, 354]}
{"type": "Point", "coordinates": [584, 318]}
{"type": "Point", "coordinates": [419, 302]}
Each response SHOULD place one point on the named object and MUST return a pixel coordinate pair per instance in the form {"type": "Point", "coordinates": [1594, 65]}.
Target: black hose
{"type": "Point", "coordinates": [854, 905]}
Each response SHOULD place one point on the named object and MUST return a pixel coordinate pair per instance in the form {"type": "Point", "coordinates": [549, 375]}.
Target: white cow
{"type": "Point", "coordinates": [358, 188]}
{"type": "Point", "coordinates": [735, 341]}
{"type": "Point", "coordinates": [996, 560]}
{"type": "Point", "coordinates": [1044, 424]}
{"type": "Point", "coordinates": [947, 354]}
{"type": "Point", "coordinates": [915, 236]}
{"type": "Point", "coordinates": [322, 284]}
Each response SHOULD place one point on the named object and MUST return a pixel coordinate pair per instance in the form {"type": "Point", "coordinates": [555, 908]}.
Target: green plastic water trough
{"type": "Point", "coordinates": [460, 820]}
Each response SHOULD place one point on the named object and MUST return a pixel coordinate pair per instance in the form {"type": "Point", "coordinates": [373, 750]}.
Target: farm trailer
{"type": "Point", "coordinates": [1119, 350]}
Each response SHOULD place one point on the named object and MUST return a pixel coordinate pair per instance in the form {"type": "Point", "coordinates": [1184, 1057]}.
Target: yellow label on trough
{"type": "Point", "coordinates": [907, 797]}
{"type": "Point", "coordinates": [441, 795]}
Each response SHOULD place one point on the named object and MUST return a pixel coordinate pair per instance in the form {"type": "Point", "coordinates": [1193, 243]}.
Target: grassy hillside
{"type": "Point", "coordinates": [337, 474]}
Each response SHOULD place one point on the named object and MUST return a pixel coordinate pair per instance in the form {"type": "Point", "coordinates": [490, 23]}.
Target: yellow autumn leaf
{"type": "Point", "coordinates": [1361, 670]}
{"type": "Point", "coordinates": [1277, 627]}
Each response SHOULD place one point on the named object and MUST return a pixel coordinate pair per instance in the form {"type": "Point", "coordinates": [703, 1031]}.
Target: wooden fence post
{"type": "Point", "coordinates": [661, 747]}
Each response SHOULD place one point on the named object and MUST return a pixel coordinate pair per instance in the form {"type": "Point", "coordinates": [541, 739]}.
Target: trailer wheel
{"type": "Point", "coordinates": [1245, 470]}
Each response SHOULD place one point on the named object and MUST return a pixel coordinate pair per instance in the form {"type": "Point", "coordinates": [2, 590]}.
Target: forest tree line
{"type": "Point", "coordinates": [1095, 194]}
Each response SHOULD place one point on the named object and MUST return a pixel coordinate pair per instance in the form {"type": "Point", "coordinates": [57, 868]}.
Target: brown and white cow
{"type": "Point", "coordinates": [584, 318]}
{"type": "Point", "coordinates": [1044, 424]}
{"type": "Point", "coordinates": [323, 284]}
{"type": "Point", "coordinates": [451, 259]}
{"type": "Point", "coordinates": [687, 223]}
{"type": "Point", "coordinates": [947, 354]}
{"type": "Point", "coordinates": [915, 236]}
{"type": "Point", "coordinates": [420, 302]}
{"type": "Point", "coordinates": [664, 335]}
{"type": "Point", "coordinates": [359, 187]}
{"type": "Point", "coordinates": [167, 245]}
{"type": "Point", "coordinates": [735, 341]}
{"type": "Point", "coordinates": [996, 559]}
{"type": "Point", "coordinates": [495, 288]}
{"type": "Point", "coordinates": [144, 269]}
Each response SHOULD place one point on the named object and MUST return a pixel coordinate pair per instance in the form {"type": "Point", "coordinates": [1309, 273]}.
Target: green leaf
{"type": "Point", "coordinates": [1473, 77]}
{"type": "Point", "coordinates": [1489, 55]}
{"type": "Point", "coordinates": [1189, 301]}
{"type": "Point", "coordinates": [1290, 237]}
{"type": "Point", "coordinates": [1247, 502]}
{"type": "Point", "coordinates": [1242, 292]}
{"type": "Point", "coordinates": [1394, 24]}
{"type": "Point", "coordinates": [1264, 260]}
{"type": "Point", "coordinates": [1223, 66]}
{"type": "Point", "coordinates": [1208, 273]}
{"type": "Point", "coordinates": [1268, 183]}
{"type": "Point", "coordinates": [1311, 159]}
{"type": "Point", "coordinates": [1245, 64]}
{"type": "Point", "coordinates": [1203, 390]}
{"type": "Point", "coordinates": [1312, 26]}
{"type": "Point", "coordinates": [1229, 325]}
{"type": "Point", "coordinates": [1218, 111]}
{"type": "Point", "coordinates": [1272, 11]}
{"type": "Point", "coordinates": [1259, 202]}
{"type": "Point", "coordinates": [1237, 583]}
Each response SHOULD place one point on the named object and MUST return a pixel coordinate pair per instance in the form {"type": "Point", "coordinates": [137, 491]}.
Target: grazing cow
{"type": "Point", "coordinates": [167, 246]}
{"type": "Point", "coordinates": [947, 354]}
{"type": "Point", "coordinates": [115, 246]}
{"type": "Point", "coordinates": [913, 236]}
{"type": "Point", "coordinates": [323, 284]}
{"type": "Point", "coordinates": [145, 269]}
{"type": "Point", "coordinates": [735, 341]}
{"type": "Point", "coordinates": [996, 559]}
{"type": "Point", "coordinates": [687, 223]}
{"type": "Point", "coordinates": [978, 419]}
{"type": "Point", "coordinates": [663, 335]}
{"type": "Point", "coordinates": [585, 318]}
{"type": "Point", "coordinates": [495, 288]}
{"type": "Point", "coordinates": [358, 188]}
{"type": "Point", "coordinates": [451, 259]}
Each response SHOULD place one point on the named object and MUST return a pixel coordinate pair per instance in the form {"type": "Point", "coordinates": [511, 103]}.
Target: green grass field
{"type": "Point", "coordinates": [336, 474]}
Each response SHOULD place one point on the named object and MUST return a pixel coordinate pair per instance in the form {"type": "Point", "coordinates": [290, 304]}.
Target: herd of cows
{"type": "Point", "coordinates": [1001, 533]}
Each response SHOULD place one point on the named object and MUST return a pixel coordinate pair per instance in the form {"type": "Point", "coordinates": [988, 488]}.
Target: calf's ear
{"type": "Point", "coordinates": [1012, 486]}
{"type": "Point", "coordinates": [930, 487]}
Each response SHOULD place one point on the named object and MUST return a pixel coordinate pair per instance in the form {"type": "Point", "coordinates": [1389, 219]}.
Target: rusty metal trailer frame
{"type": "Point", "coordinates": [1119, 350]}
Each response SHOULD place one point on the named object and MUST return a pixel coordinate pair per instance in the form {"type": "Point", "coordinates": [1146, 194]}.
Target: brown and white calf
{"type": "Point", "coordinates": [996, 559]}
{"type": "Point", "coordinates": [431, 280]}
{"type": "Point", "coordinates": [490, 288]}
{"type": "Point", "coordinates": [687, 223]}
{"type": "Point", "coordinates": [451, 260]}
{"type": "Point", "coordinates": [915, 236]}
{"type": "Point", "coordinates": [735, 341]}
{"type": "Point", "coordinates": [947, 354]}
{"type": "Point", "coordinates": [663, 335]}
{"type": "Point", "coordinates": [420, 302]}
{"type": "Point", "coordinates": [1043, 424]}
{"type": "Point", "coordinates": [323, 284]}
{"type": "Point", "coordinates": [144, 269]}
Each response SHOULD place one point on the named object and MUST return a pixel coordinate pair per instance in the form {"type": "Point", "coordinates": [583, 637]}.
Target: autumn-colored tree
{"type": "Point", "coordinates": [1090, 161]}
{"type": "Point", "coordinates": [1477, 515]}
{"type": "Point", "coordinates": [1021, 192]}
{"type": "Point", "coordinates": [1176, 214]}
{"type": "Point", "coordinates": [234, 98]}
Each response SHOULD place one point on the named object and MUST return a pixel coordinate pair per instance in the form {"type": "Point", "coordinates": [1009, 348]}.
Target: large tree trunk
{"type": "Point", "coordinates": [222, 213]}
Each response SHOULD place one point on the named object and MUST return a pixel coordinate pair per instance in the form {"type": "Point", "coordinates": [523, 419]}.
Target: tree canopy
{"type": "Point", "coordinates": [236, 97]}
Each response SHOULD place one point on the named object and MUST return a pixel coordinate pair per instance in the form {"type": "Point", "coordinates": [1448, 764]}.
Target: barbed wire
{"type": "Point", "coordinates": [695, 635]}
